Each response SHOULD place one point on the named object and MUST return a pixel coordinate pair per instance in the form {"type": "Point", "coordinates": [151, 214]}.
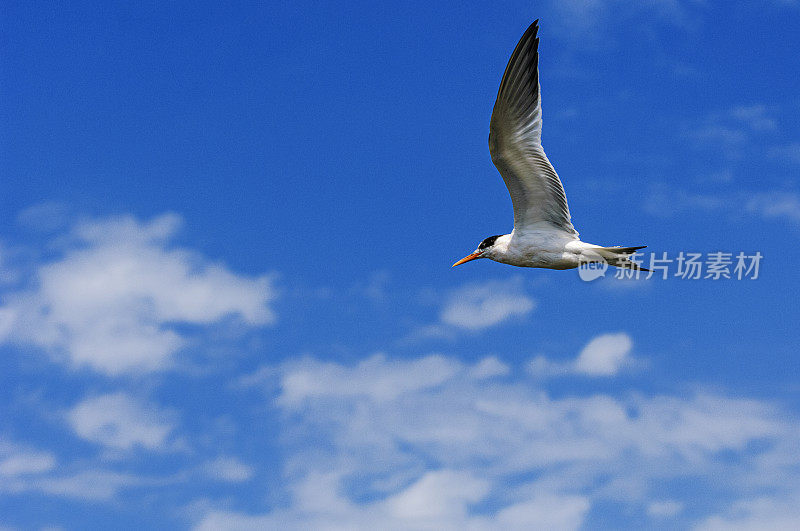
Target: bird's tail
{"type": "Point", "coordinates": [621, 256]}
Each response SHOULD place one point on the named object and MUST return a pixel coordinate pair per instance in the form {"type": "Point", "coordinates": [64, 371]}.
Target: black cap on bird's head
{"type": "Point", "coordinates": [488, 242]}
{"type": "Point", "coordinates": [484, 245]}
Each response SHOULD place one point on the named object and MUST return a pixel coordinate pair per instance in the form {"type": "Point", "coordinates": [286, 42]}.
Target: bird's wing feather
{"type": "Point", "coordinates": [515, 143]}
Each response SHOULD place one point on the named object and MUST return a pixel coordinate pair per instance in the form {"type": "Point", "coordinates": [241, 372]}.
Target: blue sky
{"type": "Point", "coordinates": [226, 299]}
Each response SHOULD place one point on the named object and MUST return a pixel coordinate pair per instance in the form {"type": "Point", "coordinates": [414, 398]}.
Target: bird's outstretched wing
{"type": "Point", "coordinates": [515, 143]}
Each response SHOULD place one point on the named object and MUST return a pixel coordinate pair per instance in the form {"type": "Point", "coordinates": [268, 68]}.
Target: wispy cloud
{"type": "Point", "coordinates": [788, 152]}
{"type": "Point", "coordinates": [731, 131]}
{"type": "Point", "coordinates": [779, 513]}
{"type": "Point", "coordinates": [448, 436]}
{"type": "Point", "coordinates": [111, 300]}
{"type": "Point", "coordinates": [489, 368]}
{"type": "Point", "coordinates": [94, 485]}
{"type": "Point", "coordinates": [376, 378]}
{"type": "Point", "coordinates": [755, 117]}
{"type": "Point", "coordinates": [585, 22]}
{"type": "Point", "coordinates": [666, 508]}
{"type": "Point", "coordinates": [776, 205]}
{"type": "Point", "coordinates": [25, 469]}
{"type": "Point", "coordinates": [479, 306]}
{"type": "Point", "coordinates": [665, 201]}
{"type": "Point", "coordinates": [229, 469]}
{"type": "Point", "coordinates": [437, 500]}
{"type": "Point", "coordinates": [476, 307]}
{"type": "Point", "coordinates": [605, 355]}
{"type": "Point", "coordinates": [16, 461]}
{"type": "Point", "coordinates": [121, 422]}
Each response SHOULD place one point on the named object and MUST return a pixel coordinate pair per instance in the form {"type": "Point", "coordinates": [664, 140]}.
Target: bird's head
{"type": "Point", "coordinates": [485, 250]}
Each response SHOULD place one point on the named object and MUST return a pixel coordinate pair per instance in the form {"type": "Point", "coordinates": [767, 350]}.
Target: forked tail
{"type": "Point", "coordinates": [620, 256]}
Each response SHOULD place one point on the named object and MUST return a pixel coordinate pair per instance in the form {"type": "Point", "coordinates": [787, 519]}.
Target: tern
{"type": "Point", "coordinates": [543, 234]}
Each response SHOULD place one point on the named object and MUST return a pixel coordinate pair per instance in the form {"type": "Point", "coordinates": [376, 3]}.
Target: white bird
{"type": "Point", "coordinates": [543, 234]}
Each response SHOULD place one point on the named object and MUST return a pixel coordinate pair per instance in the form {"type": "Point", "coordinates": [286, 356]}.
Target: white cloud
{"type": "Point", "coordinates": [664, 509]}
{"type": "Point", "coordinates": [731, 131]}
{"type": "Point", "coordinates": [438, 500]}
{"type": "Point", "coordinates": [87, 485]}
{"type": "Point", "coordinates": [232, 521]}
{"type": "Point", "coordinates": [376, 287]}
{"type": "Point", "coordinates": [44, 217]}
{"type": "Point", "coordinates": [542, 367]}
{"type": "Point", "coordinates": [667, 201]}
{"type": "Point", "coordinates": [605, 355]}
{"type": "Point", "coordinates": [121, 422]}
{"type": "Point", "coordinates": [756, 117]}
{"type": "Point", "coordinates": [585, 22]}
{"type": "Point", "coordinates": [16, 461]}
{"type": "Point", "coordinates": [228, 469]}
{"type": "Point", "coordinates": [545, 512]}
{"type": "Point", "coordinates": [771, 204]}
{"type": "Point", "coordinates": [488, 368]}
{"type": "Point", "coordinates": [437, 496]}
{"type": "Point", "coordinates": [479, 306]}
{"type": "Point", "coordinates": [775, 205]}
{"type": "Point", "coordinates": [27, 463]}
{"type": "Point", "coordinates": [24, 469]}
{"type": "Point", "coordinates": [773, 513]}
{"type": "Point", "coordinates": [789, 152]}
{"type": "Point", "coordinates": [111, 300]}
{"type": "Point", "coordinates": [725, 136]}
{"type": "Point", "coordinates": [7, 318]}
{"type": "Point", "coordinates": [476, 307]}
{"type": "Point", "coordinates": [442, 444]}
{"type": "Point", "coordinates": [376, 378]}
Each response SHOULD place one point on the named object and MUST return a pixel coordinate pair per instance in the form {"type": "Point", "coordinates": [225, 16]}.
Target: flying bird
{"type": "Point", "coordinates": [543, 234]}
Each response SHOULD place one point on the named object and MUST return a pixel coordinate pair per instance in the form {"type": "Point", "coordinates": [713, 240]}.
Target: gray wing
{"type": "Point", "coordinates": [515, 143]}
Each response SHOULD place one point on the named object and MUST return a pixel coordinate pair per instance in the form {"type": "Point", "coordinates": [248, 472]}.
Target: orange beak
{"type": "Point", "coordinates": [468, 258]}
